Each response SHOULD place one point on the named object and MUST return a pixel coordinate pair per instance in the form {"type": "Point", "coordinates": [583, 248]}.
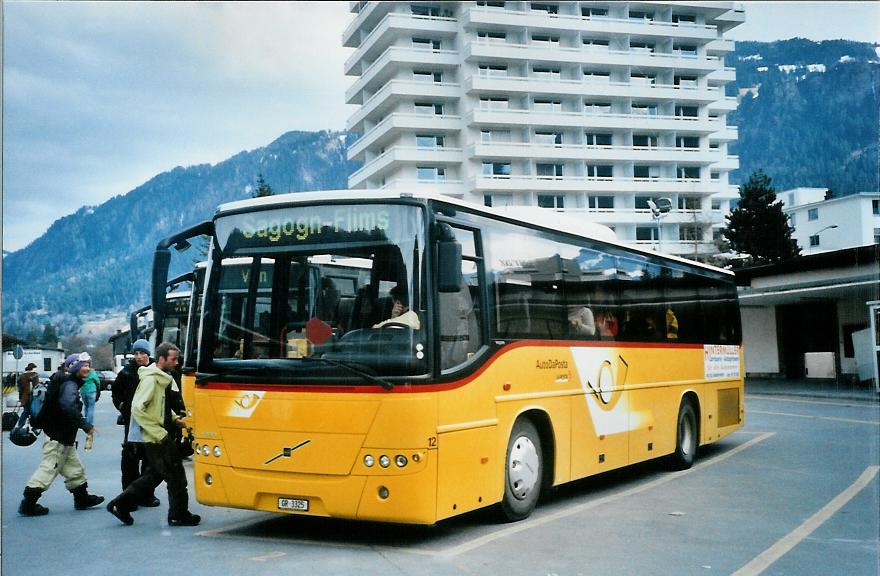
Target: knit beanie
{"type": "Point", "coordinates": [142, 345]}
{"type": "Point", "coordinates": [75, 362]}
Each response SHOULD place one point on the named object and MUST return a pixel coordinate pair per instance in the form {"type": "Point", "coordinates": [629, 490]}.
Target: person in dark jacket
{"type": "Point", "coordinates": [133, 462]}
{"type": "Point", "coordinates": [61, 423]}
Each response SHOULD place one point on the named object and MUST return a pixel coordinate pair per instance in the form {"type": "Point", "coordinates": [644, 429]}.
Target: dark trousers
{"type": "Point", "coordinates": [163, 463]}
{"type": "Point", "coordinates": [134, 464]}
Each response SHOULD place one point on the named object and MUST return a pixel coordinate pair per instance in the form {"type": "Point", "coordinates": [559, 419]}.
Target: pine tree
{"type": "Point", "coordinates": [263, 189]}
{"type": "Point", "coordinates": [758, 228]}
{"type": "Point", "coordinates": [49, 337]}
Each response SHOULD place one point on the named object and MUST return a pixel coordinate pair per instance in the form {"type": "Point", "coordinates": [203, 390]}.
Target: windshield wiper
{"type": "Point", "coordinates": [362, 373]}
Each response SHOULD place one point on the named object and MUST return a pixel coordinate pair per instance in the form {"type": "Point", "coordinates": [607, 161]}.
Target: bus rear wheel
{"type": "Point", "coordinates": [686, 438]}
{"type": "Point", "coordinates": [523, 471]}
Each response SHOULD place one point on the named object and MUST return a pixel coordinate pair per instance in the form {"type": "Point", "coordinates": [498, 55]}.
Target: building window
{"type": "Point", "coordinates": [642, 79]}
{"type": "Point", "coordinates": [548, 138]}
{"type": "Point", "coordinates": [551, 201]}
{"type": "Point", "coordinates": [549, 170]}
{"type": "Point", "coordinates": [687, 173]}
{"type": "Point", "coordinates": [601, 202]}
{"type": "Point", "coordinates": [490, 4]}
{"type": "Point", "coordinates": [545, 39]}
{"type": "Point", "coordinates": [593, 12]}
{"type": "Point", "coordinates": [641, 202]}
{"type": "Point", "coordinates": [645, 233]}
{"type": "Point", "coordinates": [690, 203]}
{"type": "Point", "coordinates": [641, 15]}
{"type": "Point", "coordinates": [597, 77]}
{"type": "Point", "coordinates": [644, 141]}
{"type": "Point", "coordinates": [496, 169]}
{"type": "Point", "coordinates": [685, 50]}
{"type": "Point", "coordinates": [684, 18]}
{"type": "Point", "coordinates": [492, 37]}
{"type": "Point", "coordinates": [419, 10]}
{"type": "Point", "coordinates": [686, 112]}
{"type": "Point", "coordinates": [430, 174]}
{"type": "Point", "coordinates": [595, 44]}
{"type": "Point", "coordinates": [493, 70]}
{"type": "Point", "coordinates": [428, 108]}
{"type": "Point", "coordinates": [429, 141]}
{"type": "Point", "coordinates": [599, 171]}
{"type": "Point", "coordinates": [546, 72]}
{"type": "Point", "coordinates": [814, 240]}
{"type": "Point", "coordinates": [597, 107]}
{"type": "Point", "coordinates": [716, 204]}
{"type": "Point", "coordinates": [548, 8]}
{"type": "Point", "coordinates": [690, 142]}
{"type": "Point", "coordinates": [646, 172]}
{"type": "Point", "coordinates": [498, 199]}
{"type": "Point", "coordinates": [685, 81]}
{"type": "Point", "coordinates": [487, 136]}
{"type": "Point", "coordinates": [426, 43]}
{"type": "Point", "coordinates": [876, 235]}
{"type": "Point", "coordinates": [490, 103]}
{"type": "Point", "coordinates": [644, 109]}
{"type": "Point", "coordinates": [813, 214]}
{"type": "Point", "coordinates": [427, 76]}
{"type": "Point", "coordinates": [544, 105]}
{"type": "Point", "coordinates": [596, 139]}
{"type": "Point", "coordinates": [644, 47]}
{"type": "Point", "coordinates": [688, 233]}
{"type": "Point", "coordinates": [875, 206]}
{"type": "Point", "coordinates": [792, 220]}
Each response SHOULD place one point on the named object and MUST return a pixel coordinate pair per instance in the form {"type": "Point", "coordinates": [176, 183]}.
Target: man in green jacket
{"type": "Point", "coordinates": [149, 417]}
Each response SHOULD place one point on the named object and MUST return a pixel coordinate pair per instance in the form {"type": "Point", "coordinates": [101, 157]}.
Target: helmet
{"type": "Point", "coordinates": [22, 436]}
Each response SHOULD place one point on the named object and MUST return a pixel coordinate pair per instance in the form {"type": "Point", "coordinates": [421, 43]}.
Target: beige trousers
{"type": "Point", "coordinates": [58, 459]}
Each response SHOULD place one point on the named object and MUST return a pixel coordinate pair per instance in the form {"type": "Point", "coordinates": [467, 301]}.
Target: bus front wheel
{"type": "Point", "coordinates": [523, 471]}
{"type": "Point", "coordinates": [686, 439]}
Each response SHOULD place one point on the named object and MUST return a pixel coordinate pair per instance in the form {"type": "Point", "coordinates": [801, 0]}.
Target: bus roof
{"type": "Point", "coordinates": [544, 218]}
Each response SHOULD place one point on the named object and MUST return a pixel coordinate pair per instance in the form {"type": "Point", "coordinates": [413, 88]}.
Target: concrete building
{"type": "Point", "coordinates": [592, 108]}
{"type": "Point", "coordinates": [817, 316]}
{"type": "Point", "coordinates": [821, 225]}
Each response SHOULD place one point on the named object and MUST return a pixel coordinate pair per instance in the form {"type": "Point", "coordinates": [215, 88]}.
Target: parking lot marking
{"type": "Point", "coordinates": [766, 558]}
{"type": "Point", "coordinates": [536, 522]}
{"type": "Point", "coordinates": [832, 418]}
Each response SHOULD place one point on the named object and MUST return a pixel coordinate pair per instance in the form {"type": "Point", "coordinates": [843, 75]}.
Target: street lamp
{"type": "Point", "coordinates": [659, 209]}
{"type": "Point", "coordinates": [816, 235]}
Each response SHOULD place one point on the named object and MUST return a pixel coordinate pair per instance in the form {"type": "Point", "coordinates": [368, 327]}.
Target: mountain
{"type": "Point", "coordinates": [807, 116]}
{"type": "Point", "coordinates": [98, 260]}
{"type": "Point", "coordinates": [808, 113]}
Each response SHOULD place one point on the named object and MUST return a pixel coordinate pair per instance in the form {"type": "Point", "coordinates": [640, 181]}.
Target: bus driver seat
{"type": "Point", "coordinates": [459, 329]}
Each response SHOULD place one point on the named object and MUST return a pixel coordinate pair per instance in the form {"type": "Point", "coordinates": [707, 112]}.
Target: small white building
{"type": "Point", "coordinates": [46, 359]}
{"type": "Point", "coordinates": [821, 225]}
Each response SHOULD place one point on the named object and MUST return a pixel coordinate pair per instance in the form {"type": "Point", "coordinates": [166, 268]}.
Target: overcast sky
{"type": "Point", "coordinates": [100, 97]}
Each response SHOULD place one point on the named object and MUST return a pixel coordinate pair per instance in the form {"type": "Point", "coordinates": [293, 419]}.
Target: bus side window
{"type": "Point", "coordinates": [461, 333]}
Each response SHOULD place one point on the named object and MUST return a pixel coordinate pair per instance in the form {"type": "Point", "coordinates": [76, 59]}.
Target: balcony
{"type": "Point", "coordinates": [548, 86]}
{"type": "Point", "coordinates": [453, 188]}
{"type": "Point", "coordinates": [371, 12]}
{"type": "Point", "coordinates": [383, 69]}
{"type": "Point", "coordinates": [633, 216]}
{"type": "Point", "coordinates": [404, 154]}
{"type": "Point", "coordinates": [559, 184]}
{"type": "Point", "coordinates": [726, 104]}
{"type": "Point", "coordinates": [722, 76]}
{"type": "Point", "coordinates": [609, 121]}
{"type": "Point", "coordinates": [479, 50]}
{"type": "Point", "coordinates": [387, 97]}
{"type": "Point", "coordinates": [719, 47]}
{"type": "Point", "coordinates": [393, 25]}
{"type": "Point", "coordinates": [397, 123]}
{"type": "Point", "coordinates": [534, 21]}
{"type": "Point", "coordinates": [580, 152]}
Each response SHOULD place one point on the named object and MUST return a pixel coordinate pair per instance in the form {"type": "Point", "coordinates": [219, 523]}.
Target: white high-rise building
{"type": "Point", "coordinates": [593, 108]}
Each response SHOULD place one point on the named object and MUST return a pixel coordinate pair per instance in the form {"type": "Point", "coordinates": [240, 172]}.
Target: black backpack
{"type": "Point", "coordinates": [45, 406]}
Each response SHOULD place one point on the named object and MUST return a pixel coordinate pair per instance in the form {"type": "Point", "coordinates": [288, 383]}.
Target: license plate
{"type": "Point", "coordinates": [297, 504]}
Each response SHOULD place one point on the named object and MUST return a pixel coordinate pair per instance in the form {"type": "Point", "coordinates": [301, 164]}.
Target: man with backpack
{"type": "Point", "coordinates": [60, 417]}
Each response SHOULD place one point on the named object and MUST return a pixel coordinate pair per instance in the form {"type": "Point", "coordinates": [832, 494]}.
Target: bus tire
{"type": "Point", "coordinates": [523, 471]}
{"type": "Point", "coordinates": [686, 437]}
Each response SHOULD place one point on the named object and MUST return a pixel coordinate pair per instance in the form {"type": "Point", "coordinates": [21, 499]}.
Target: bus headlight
{"type": "Point", "coordinates": [384, 461]}
{"type": "Point", "coordinates": [197, 448]}
{"type": "Point", "coordinates": [217, 451]}
{"type": "Point", "coordinates": [369, 461]}
{"type": "Point", "coordinates": [206, 450]}
{"type": "Point", "coordinates": [400, 460]}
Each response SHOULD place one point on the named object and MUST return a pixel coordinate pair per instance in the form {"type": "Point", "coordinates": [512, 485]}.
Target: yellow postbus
{"type": "Point", "coordinates": [474, 358]}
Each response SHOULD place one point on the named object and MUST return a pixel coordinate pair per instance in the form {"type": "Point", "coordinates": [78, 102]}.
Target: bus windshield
{"type": "Point", "coordinates": [323, 290]}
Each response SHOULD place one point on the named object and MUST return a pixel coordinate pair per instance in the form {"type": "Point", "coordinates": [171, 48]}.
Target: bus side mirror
{"type": "Point", "coordinates": [161, 262]}
{"type": "Point", "coordinates": [449, 266]}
